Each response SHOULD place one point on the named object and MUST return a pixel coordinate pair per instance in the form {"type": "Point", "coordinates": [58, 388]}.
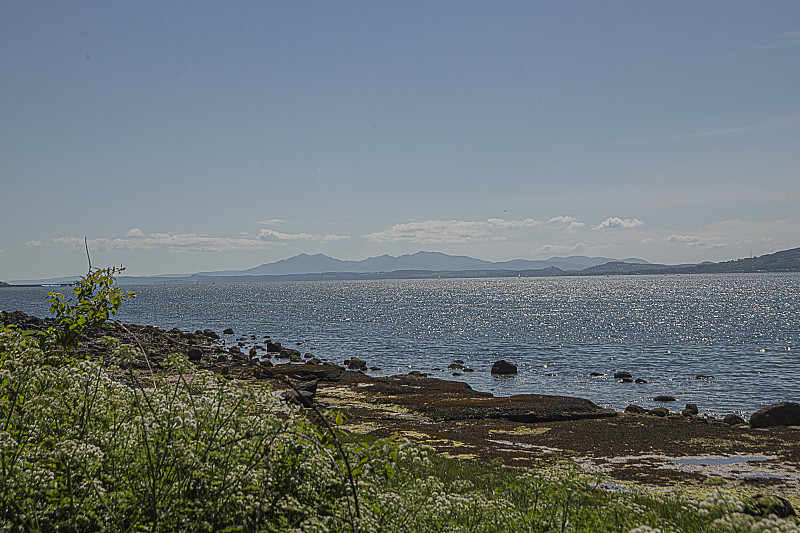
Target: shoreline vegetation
{"type": "Point", "coordinates": [114, 427]}
{"type": "Point", "coordinates": [783, 261]}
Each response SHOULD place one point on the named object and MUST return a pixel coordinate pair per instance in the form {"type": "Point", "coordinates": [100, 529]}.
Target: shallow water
{"type": "Point", "coordinates": [742, 329]}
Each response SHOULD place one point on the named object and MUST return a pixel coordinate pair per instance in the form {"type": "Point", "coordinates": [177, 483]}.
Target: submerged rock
{"type": "Point", "coordinates": [664, 398]}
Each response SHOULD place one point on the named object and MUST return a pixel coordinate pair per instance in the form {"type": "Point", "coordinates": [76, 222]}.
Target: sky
{"type": "Point", "coordinates": [189, 136]}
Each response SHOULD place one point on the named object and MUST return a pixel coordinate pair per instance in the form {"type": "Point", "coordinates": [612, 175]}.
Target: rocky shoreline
{"type": "Point", "coordinates": [654, 449]}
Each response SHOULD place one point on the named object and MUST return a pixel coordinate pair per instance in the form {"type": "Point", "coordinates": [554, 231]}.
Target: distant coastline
{"type": "Point", "coordinates": [783, 261]}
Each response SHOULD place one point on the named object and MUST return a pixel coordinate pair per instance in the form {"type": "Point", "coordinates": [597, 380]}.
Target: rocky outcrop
{"type": "Point", "coordinates": [779, 414]}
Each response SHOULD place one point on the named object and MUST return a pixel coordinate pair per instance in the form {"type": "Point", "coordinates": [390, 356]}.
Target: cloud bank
{"type": "Point", "coordinates": [135, 239]}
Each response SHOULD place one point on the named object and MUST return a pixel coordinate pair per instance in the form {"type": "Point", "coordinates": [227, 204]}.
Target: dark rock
{"type": "Point", "coordinates": [374, 368]}
{"type": "Point", "coordinates": [700, 376]}
{"type": "Point", "coordinates": [228, 331]}
{"type": "Point", "coordinates": [664, 398]}
{"type": "Point", "coordinates": [767, 504]}
{"type": "Point", "coordinates": [304, 398]}
{"type": "Point", "coordinates": [733, 420]}
{"type": "Point", "coordinates": [659, 411]}
{"type": "Point", "coordinates": [252, 353]}
{"type": "Point", "coordinates": [504, 368]}
{"type": "Point", "coordinates": [641, 381]}
{"type": "Point", "coordinates": [222, 358]}
{"type": "Point", "coordinates": [626, 380]}
{"type": "Point", "coordinates": [240, 344]}
{"type": "Point", "coordinates": [308, 386]}
{"type": "Point", "coordinates": [635, 409]}
{"type": "Point", "coordinates": [459, 361]}
{"type": "Point", "coordinates": [309, 356]}
{"type": "Point", "coordinates": [210, 334]}
{"type": "Point", "coordinates": [455, 366]}
{"type": "Point", "coordinates": [596, 374]}
{"type": "Point", "coordinates": [274, 347]}
{"type": "Point", "coordinates": [195, 354]}
{"type": "Point", "coordinates": [779, 414]}
{"type": "Point", "coordinates": [313, 361]}
{"type": "Point", "coordinates": [235, 350]}
{"type": "Point", "coordinates": [295, 357]}
{"type": "Point", "coordinates": [620, 375]}
{"type": "Point", "coordinates": [468, 369]}
{"type": "Point", "coordinates": [456, 374]}
{"type": "Point", "coordinates": [355, 363]}
{"type": "Point", "coordinates": [690, 410]}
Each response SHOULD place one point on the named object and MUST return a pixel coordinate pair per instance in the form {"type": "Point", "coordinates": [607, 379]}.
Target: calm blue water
{"type": "Point", "coordinates": [743, 329]}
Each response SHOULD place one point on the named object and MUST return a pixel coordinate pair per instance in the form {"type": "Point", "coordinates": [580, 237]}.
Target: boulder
{"type": "Point", "coordinates": [228, 331]}
{"type": "Point", "coordinates": [767, 504]}
{"type": "Point", "coordinates": [621, 375]}
{"type": "Point", "coordinates": [690, 410]}
{"type": "Point", "coordinates": [210, 334]}
{"type": "Point", "coordinates": [635, 409]}
{"type": "Point", "coordinates": [659, 411]}
{"type": "Point", "coordinates": [504, 368]}
{"type": "Point", "coordinates": [779, 414]}
{"type": "Point", "coordinates": [664, 398]}
{"type": "Point", "coordinates": [626, 380]}
{"type": "Point", "coordinates": [455, 366]}
{"type": "Point", "coordinates": [355, 363]}
{"type": "Point", "coordinates": [195, 354]}
{"type": "Point", "coordinates": [274, 347]}
{"type": "Point", "coordinates": [596, 374]}
{"type": "Point", "coordinates": [641, 381]}
{"type": "Point", "coordinates": [733, 420]}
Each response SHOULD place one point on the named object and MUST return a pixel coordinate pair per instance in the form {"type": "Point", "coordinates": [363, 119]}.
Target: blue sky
{"type": "Point", "coordinates": [196, 136]}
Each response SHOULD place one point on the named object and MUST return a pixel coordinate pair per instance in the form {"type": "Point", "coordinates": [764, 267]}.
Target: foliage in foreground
{"type": "Point", "coordinates": [85, 446]}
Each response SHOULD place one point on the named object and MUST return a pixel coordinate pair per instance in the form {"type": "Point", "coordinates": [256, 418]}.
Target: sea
{"type": "Point", "coordinates": [729, 343]}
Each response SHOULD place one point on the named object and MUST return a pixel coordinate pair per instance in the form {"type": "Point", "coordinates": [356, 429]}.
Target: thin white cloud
{"type": "Point", "coordinates": [696, 240]}
{"type": "Point", "coordinates": [787, 39]}
{"type": "Point", "coordinates": [619, 223]}
{"type": "Point", "coordinates": [272, 221]}
{"type": "Point", "coordinates": [268, 235]}
{"type": "Point", "coordinates": [688, 136]}
{"type": "Point", "coordinates": [450, 231]}
{"type": "Point", "coordinates": [185, 242]}
{"type": "Point", "coordinates": [560, 249]}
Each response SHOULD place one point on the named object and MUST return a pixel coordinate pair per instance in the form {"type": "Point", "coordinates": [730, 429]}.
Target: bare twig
{"type": "Point", "coordinates": [86, 244]}
{"type": "Point", "coordinates": [338, 447]}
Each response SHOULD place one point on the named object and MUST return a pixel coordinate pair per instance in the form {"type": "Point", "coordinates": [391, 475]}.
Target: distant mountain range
{"type": "Point", "coordinates": [423, 265]}
{"type": "Point", "coordinates": [432, 261]}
